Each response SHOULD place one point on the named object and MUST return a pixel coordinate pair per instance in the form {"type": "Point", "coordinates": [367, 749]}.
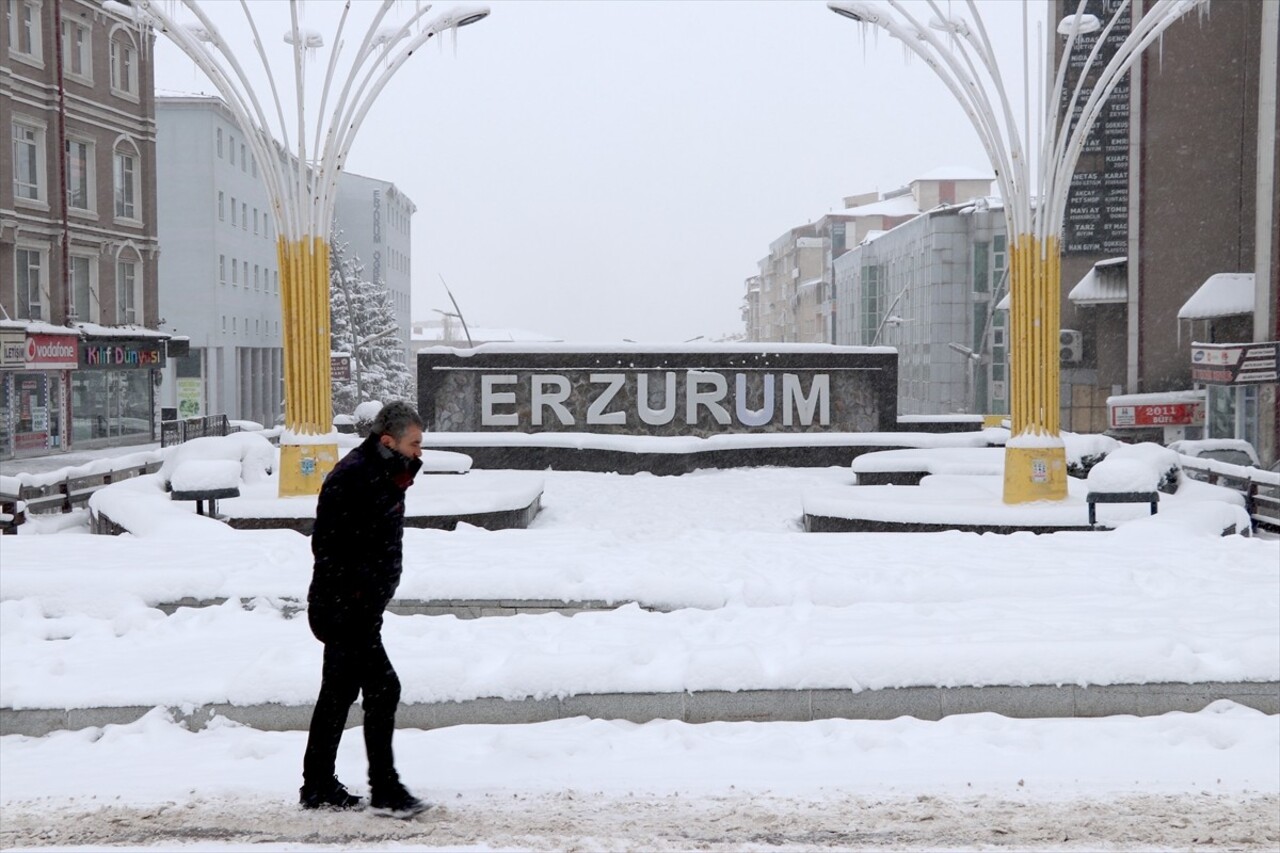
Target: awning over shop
{"type": "Point", "coordinates": [1224, 294]}
{"type": "Point", "coordinates": [1106, 283]}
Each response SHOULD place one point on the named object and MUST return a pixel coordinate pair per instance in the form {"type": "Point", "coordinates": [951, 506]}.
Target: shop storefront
{"type": "Point", "coordinates": [113, 393]}
{"type": "Point", "coordinates": [33, 391]}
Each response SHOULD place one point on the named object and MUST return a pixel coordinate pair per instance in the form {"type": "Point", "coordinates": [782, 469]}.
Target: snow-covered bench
{"type": "Point", "coordinates": [1133, 474]}
{"type": "Point", "coordinates": [203, 480]}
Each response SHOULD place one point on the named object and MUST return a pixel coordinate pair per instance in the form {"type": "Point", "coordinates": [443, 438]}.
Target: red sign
{"type": "Point", "coordinates": [1157, 414]}
{"type": "Point", "coordinates": [53, 352]}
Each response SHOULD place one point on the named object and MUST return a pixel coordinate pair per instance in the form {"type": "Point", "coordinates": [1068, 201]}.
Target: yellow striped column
{"type": "Point", "coordinates": [1035, 460]}
{"type": "Point", "coordinates": [307, 451]}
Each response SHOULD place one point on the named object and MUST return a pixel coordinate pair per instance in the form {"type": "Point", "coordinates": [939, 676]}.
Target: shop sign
{"type": "Point", "coordinates": [51, 352]}
{"type": "Point", "coordinates": [13, 348]}
{"type": "Point", "coordinates": [122, 354]}
{"type": "Point", "coordinates": [1236, 364]}
{"type": "Point", "coordinates": [340, 368]}
{"type": "Point", "coordinates": [190, 395]}
{"type": "Point", "coordinates": [1157, 414]}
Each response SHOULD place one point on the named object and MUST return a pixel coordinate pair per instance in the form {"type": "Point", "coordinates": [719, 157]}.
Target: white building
{"type": "Point", "coordinates": [219, 274]}
{"type": "Point", "coordinates": [219, 271]}
{"type": "Point", "coordinates": [374, 217]}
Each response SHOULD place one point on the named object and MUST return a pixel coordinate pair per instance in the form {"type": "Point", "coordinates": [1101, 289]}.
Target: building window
{"type": "Point", "coordinates": [246, 274]}
{"type": "Point", "coordinates": [82, 289]}
{"type": "Point", "coordinates": [80, 174]}
{"type": "Point", "coordinates": [233, 150]}
{"type": "Point", "coordinates": [218, 137]}
{"type": "Point", "coordinates": [254, 162]}
{"type": "Point", "coordinates": [28, 161]}
{"type": "Point", "coordinates": [128, 299]}
{"type": "Point", "coordinates": [224, 324]}
{"type": "Point", "coordinates": [29, 284]}
{"type": "Point", "coordinates": [126, 181]}
{"type": "Point", "coordinates": [256, 277]}
{"type": "Point", "coordinates": [255, 220]}
{"type": "Point", "coordinates": [76, 50]}
{"type": "Point", "coordinates": [244, 216]}
{"type": "Point", "coordinates": [234, 328]}
{"type": "Point", "coordinates": [222, 269]}
{"type": "Point", "coordinates": [235, 273]}
{"type": "Point", "coordinates": [124, 65]}
{"type": "Point", "coordinates": [24, 30]}
{"type": "Point", "coordinates": [243, 158]}
{"type": "Point", "coordinates": [233, 211]}
{"type": "Point", "coordinates": [222, 206]}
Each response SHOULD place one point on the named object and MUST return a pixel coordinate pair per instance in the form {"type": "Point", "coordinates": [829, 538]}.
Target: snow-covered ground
{"type": "Point", "coordinates": [763, 604]}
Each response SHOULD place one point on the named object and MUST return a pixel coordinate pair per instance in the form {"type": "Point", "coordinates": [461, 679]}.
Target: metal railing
{"type": "Point", "coordinates": [62, 495]}
{"type": "Point", "coordinates": [1261, 489]}
{"type": "Point", "coordinates": [185, 429]}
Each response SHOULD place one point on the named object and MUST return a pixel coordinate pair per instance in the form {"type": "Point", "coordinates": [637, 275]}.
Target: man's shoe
{"type": "Point", "coordinates": [395, 801]}
{"type": "Point", "coordinates": [331, 796]}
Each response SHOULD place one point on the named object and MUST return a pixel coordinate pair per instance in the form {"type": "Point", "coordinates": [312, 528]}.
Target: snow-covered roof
{"type": "Point", "coordinates": [434, 332]}
{"type": "Point", "coordinates": [903, 205]}
{"type": "Point", "coordinates": [1223, 294]}
{"type": "Point", "coordinates": [1156, 398]}
{"type": "Point", "coordinates": [873, 234]}
{"type": "Point", "coordinates": [1102, 284]}
{"type": "Point", "coordinates": [956, 173]}
{"type": "Point", "coordinates": [94, 330]}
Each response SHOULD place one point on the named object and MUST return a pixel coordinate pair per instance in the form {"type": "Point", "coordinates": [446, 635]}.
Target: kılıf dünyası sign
{"type": "Point", "coordinates": [1236, 364]}
{"type": "Point", "coordinates": [121, 354]}
{"type": "Point", "coordinates": [651, 392]}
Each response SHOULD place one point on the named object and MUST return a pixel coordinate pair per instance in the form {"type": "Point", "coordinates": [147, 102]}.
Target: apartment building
{"type": "Point", "coordinates": [81, 349]}
{"type": "Point", "coordinates": [795, 298]}
{"type": "Point", "coordinates": [219, 271]}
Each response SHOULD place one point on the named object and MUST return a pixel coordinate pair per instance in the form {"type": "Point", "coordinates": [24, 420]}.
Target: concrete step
{"type": "Point", "coordinates": [462, 608]}
{"type": "Point", "coordinates": [927, 703]}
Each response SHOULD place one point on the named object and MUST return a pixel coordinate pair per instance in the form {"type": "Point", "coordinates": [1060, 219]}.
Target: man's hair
{"type": "Point", "coordinates": [394, 420]}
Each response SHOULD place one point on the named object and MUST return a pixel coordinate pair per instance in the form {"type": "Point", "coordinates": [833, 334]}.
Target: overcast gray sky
{"type": "Point", "coordinates": [604, 170]}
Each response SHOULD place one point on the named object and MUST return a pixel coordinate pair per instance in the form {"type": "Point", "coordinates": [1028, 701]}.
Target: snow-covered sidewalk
{"type": "Point", "coordinates": [1206, 780]}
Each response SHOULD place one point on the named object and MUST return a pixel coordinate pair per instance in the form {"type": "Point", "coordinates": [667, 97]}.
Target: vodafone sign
{"type": "Point", "coordinates": [53, 352]}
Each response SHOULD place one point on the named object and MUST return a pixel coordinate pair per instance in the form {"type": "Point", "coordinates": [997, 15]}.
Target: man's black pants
{"type": "Point", "coordinates": [353, 665]}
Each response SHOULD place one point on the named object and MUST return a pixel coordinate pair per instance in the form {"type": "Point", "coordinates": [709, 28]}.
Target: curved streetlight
{"type": "Point", "coordinates": [300, 173]}
{"type": "Point", "coordinates": [963, 58]}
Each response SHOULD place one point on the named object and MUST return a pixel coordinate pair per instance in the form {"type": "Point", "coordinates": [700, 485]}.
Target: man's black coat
{"type": "Point", "coordinates": [357, 541]}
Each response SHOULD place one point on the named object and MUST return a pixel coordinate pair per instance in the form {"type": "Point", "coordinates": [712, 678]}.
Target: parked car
{"type": "Point", "coordinates": [1230, 450]}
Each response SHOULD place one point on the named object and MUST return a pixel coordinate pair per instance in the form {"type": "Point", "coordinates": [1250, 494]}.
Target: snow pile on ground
{"type": "Point", "coordinates": [255, 454]}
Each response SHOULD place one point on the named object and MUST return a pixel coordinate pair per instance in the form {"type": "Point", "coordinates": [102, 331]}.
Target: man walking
{"type": "Point", "coordinates": [357, 545]}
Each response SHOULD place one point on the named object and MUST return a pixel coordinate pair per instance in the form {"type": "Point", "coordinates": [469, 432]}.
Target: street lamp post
{"type": "Point", "coordinates": [300, 174]}
{"type": "Point", "coordinates": [962, 56]}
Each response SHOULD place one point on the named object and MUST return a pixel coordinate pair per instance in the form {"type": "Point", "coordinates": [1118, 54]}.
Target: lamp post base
{"type": "Point", "coordinates": [303, 468]}
{"type": "Point", "coordinates": [1035, 473]}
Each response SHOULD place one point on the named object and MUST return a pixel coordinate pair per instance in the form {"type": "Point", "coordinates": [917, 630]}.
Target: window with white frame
{"type": "Point", "coordinates": [28, 161]}
{"type": "Point", "coordinates": [84, 302]}
{"type": "Point", "coordinates": [24, 30]}
{"type": "Point", "coordinates": [29, 283]}
{"type": "Point", "coordinates": [124, 64]}
{"type": "Point", "coordinates": [80, 186]}
{"type": "Point", "coordinates": [126, 185]}
{"type": "Point", "coordinates": [222, 269]}
{"type": "Point", "coordinates": [77, 50]}
{"type": "Point", "coordinates": [128, 292]}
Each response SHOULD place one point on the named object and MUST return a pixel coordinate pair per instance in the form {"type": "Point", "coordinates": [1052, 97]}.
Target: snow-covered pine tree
{"type": "Point", "coordinates": [358, 310]}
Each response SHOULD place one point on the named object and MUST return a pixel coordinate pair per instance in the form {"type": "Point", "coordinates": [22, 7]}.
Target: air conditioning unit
{"type": "Point", "coordinates": [1070, 346]}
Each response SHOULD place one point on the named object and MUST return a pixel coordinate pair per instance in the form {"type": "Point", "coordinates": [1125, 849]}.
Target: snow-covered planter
{"type": "Point", "coordinates": [254, 453]}
{"type": "Point", "coordinates": [364, 415]}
